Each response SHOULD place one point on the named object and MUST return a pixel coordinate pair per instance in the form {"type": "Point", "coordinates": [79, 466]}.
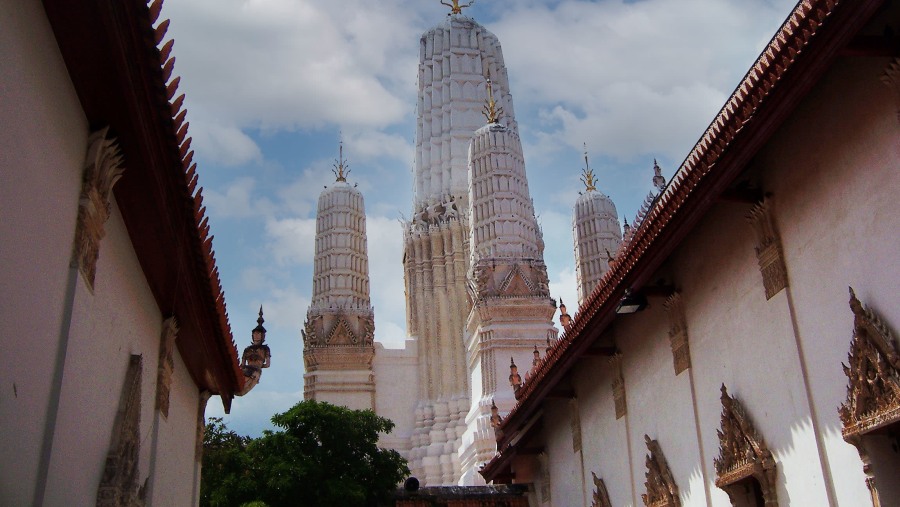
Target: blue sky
{"type": "Point", "coordinates": [271, 84]}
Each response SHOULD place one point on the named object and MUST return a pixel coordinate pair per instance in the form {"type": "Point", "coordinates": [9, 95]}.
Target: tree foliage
{"type": "Point", "coordinates": [321, 455]}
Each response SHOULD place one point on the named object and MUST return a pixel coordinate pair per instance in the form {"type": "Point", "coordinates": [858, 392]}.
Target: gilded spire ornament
{"type": "Point", "coordinates": [491, 111]}
{"type": "Point", "coordinates": [588, 174]}
{"type": "Point", "coordinates": [455, 8]}
{"type": "Point", "coordinates": [341, 167]}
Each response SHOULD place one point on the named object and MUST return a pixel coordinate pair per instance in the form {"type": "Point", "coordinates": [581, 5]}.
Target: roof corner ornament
{"type": "Point", "coordinates": [491, 111]}
{"type": "Point", "coordinates": [455, 7]}
{"type": "Point", "coordinates": [256, 356]}
{"type": "Point", "coordinates": [659, 181]}
{"type": "Point", "coordinates": [341, 167]}
{"type": "Point", "coordinates": [587, 176]}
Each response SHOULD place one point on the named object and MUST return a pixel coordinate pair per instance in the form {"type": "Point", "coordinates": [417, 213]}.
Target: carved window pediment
{"type": "Point", "coordinates": [601, 496]}
{"type": "Point", "coordinates": [743, 454]}
{"type": "Point", "coordinates": [873, 391]}
{"type": "Point", "coordinates": [661, 488]}
{"type": "Point", "coordinates": [768, 248]}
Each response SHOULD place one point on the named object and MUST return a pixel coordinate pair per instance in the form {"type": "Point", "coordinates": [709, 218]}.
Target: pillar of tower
{"type": "Point", "coordinates": [597, 234]}
{"type": "Point", "coordinates": [456, 59]}
{"type": "Point", "coordinates": [338, 334]}
{"type": "Point", "coordinates": [513, 311]}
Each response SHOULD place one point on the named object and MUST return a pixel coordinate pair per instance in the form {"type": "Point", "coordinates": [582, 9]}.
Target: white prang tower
{"type": "Point", "coordinates": [513, 311]}
{"type": "Point", "coordinates": [455, 60]}
{"type": "Point", "coordinates": [597, 233]}
{"type": "Point", "coordinates": [340, 324]}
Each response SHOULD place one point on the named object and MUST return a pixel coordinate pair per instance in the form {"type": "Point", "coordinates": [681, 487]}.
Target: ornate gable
{"type": "Point", "coordinates": [742, 454]}
{"type": "Point", "coordinates": [873, 391]}
{"type": "Point", "coordinates": [661, 488]}
{"type": "Point", "coordinates": [341, 334]}
{"type": "Point", "coordinates": [601, 496]}
{"type": "Point", "coordinates": [516, 283]}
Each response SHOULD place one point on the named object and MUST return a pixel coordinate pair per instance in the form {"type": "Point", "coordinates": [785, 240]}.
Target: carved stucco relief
{"type": "Point", "coordinates": [742, 454]}
{"type": "Point", "coordinates": [618, 386]}
{"type": "Point", "coordinates": [601, 496]}
{"type": "Point", "coordinates": [576, 425]}
{"type": "Point", "coordinates": [102, 169]}
{"type": "Point", "coordinates": [891, 77]}
{"type": "Point", "coordinates": [873, 388]}
{"type": "Point", "coordinates": [166, 366]}
{"type": "Point", "coordinates": [661, 488]}
{"type": "Point", "coordinates": [678, 334]}
{"type": "Point", "coordinates": [119, 482]}
{"type": "Point", "coordinates": [768, 248]}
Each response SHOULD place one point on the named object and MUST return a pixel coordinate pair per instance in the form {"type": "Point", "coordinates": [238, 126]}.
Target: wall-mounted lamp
{"type": "Point", "coordinates": [631, 303]}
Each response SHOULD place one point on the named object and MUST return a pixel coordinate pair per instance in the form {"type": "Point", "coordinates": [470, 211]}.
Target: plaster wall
{"type": "Point", "coordinates": [396, 371]}
{"type": "Point", "coordinates": [118, 319]}
{"type": "Point", "coordinates": [739, 339]}
{"type": "Point", "coordinates": [836, 211]}
{"type": "Point", "coordinates": [173, 470]}
{"type": "Point", "coordinates": [659, 403]}
{"type": "Point", "coordinates": [565, 465]}
{"type": "Point", "coordinates": [42, 148]}
{"type": "Point", "coordinates": [604, 439]}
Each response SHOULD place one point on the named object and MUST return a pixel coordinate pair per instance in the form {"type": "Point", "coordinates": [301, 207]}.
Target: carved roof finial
{"type": "Point", "coordinates": [259, 322]}
{"type": "Point", "coordinates": [659, 181]}
{"type": "Point", "coordinates": [455, 8]}
{"type": "Point", "coordinates": [491, 111]}
{"type": "Point", "coordinates": [515, 380]}
{"type": "Point", "coordinates": [587, 173]}
{"type": "Point", "coordinates": [341, 167]}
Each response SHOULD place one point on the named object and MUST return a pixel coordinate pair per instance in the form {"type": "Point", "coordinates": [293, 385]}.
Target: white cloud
{"type": "Point", "coordinates": [240, 199]}
{"type": "Point", "coordinates": [385, 245]}
{"type": "Point", "coordinates": [276, 64]}
{"type": "Point", "coordinates": [292, 240]}
{"type": "Point", "coordinates": [224, 145]}
{"type": "Point", "coordinates": [629, 78]}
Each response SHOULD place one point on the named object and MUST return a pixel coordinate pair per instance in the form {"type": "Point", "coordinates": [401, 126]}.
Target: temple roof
{"type": "Point", "coordinates": [121, 69]}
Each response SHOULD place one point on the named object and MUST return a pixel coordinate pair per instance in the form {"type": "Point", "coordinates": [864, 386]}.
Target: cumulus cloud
{"type": "Point", "coordinates": [385, 245]}
{"type": "Point", "coordinates": [292, 240]}
{"type": "Point", "coordinates": [634, 77]}
{"type": "Point", "coordinates": [239, 199]}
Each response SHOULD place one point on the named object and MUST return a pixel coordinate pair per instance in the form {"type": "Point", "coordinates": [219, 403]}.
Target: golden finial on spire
{"type": "Point", "coordinates": [341, 167]}
{"type": "Point", "coordinates": [491, 111]}
{"type": "Point", "coordinates": [588, 174]}
{"type": "Point", "coordinates": [455, 8]}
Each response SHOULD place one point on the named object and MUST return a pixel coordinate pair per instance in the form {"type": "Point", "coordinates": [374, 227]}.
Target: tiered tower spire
{"type": "Point", "coordinates": [508, 284]}
{"type": "Point", "coordinates": [340, 323]}
{"type": "Point", "coordinates": [456, 58]}
{"type": "Point", "coordinates": [595, 227]}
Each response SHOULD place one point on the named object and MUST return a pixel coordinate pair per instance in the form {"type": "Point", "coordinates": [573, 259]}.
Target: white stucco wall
{"type": "Point", "coordinates": [118, 319]}
{"type": "Point", "coordinates": [837, 214]}
{"type": "Point", "coordinates": [396, 371]}
{"type": "Point", "coordinates": [174, 472]}
{"type": "Point", "coordinates": [42, 147]}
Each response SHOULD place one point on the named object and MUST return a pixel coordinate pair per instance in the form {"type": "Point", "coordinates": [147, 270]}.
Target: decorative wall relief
{"type": "Point", "coordinates": [618, 386]}
{"type": "Point", "coordinates": [576, 425]}
{"type": "Point", "coordinates": [119, 482]}
{"type": "Point", "coordinates": [661, 488]}
{"type": "Point", "coordinates": [873, 390]}
{"type": "Point", "coordinates": [601, 496]}
{"type": "Point", "coordinates": [768, 248]}
{"type": "Point", "coordinates": [166, 366]}
{"type": "Point", "coordinates": [102, 169]}
{"type": "Point", "coordinates": [678, 335]}
{"type": "Point", "coordinates": [201, 423]}
{"type": "Point", "coordinates": [546, 487]}
{"type": "Point", "coordinates": [743, 455]}
{"type": "Point", "coordinates": [891, 77]}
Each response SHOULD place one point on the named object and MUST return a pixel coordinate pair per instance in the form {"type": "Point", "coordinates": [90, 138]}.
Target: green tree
{"type": "Point", "coordinates": [322, 455]}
